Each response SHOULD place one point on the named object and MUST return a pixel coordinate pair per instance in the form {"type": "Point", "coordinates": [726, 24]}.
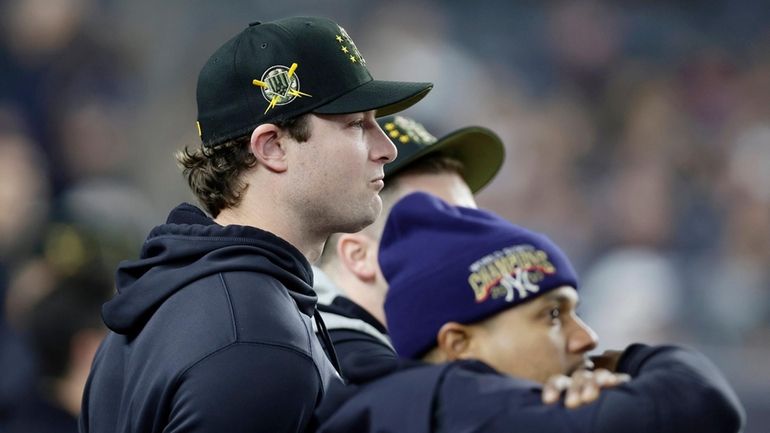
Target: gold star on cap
{"type": "Point", "coordinates": [406, 130]}
{"type": "Point", "coordinates": [395, 133]}
{"type": "Point", "coordinates": [347, 46]}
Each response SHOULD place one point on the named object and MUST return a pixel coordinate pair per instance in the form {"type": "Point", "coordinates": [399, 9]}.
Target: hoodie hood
{"type": "Point", "coordinates": [191, 246]}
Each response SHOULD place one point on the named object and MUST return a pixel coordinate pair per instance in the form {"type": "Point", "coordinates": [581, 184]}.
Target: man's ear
{"type": "Point", "coordinates": [454, 341]}
{"type": "Point", "coordinates": [267, 146]}
{"type": "Point", "coordinates": [356, 252]}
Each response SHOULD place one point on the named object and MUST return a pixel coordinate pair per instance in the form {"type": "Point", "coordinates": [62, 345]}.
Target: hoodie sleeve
{"type": "Point", "coordinates": [673, 390]}
{"type": "Point", "coordinates": [247, 388]}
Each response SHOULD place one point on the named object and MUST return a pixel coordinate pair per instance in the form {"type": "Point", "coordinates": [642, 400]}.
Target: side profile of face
{"type": "Point", "coordinates": [336, 175]}
{"type": "Point", "coordinates": [533, 341]}
{"type": "Point", "coordinates": [359, 251]}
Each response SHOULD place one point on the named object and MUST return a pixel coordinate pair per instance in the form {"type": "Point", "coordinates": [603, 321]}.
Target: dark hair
{"type": "Point", "coordinates": [215, 174]}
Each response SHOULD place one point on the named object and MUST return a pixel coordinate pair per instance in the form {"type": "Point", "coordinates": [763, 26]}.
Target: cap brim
{"type": "Point", "coordinates": [387, 97]}
{"type": "Point", "coordinates": [479, 150]}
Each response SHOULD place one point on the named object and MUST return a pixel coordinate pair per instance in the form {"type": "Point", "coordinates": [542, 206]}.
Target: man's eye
{"type": "Point", "coordinates": [554, 313]}
{"type": "Point", "coordinates": [357, 123]}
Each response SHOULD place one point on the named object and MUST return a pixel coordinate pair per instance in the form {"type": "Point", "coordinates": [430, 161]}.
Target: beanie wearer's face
{"type": "Point", "coordinates": [534, 340]}
{"type": "Point", "coordinates": [449, 264]}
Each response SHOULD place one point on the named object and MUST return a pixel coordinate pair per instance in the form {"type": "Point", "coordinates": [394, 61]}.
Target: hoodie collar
{"type": "Point", "coordinates": [191, 246]}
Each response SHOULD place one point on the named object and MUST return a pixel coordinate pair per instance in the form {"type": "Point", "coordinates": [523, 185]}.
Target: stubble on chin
{"type": "Point", "coordinates": [363, 212]}
{"type": "Point", "coordinates": [366, 217]}
{"type": "Point", "coordinates": [351, 219]}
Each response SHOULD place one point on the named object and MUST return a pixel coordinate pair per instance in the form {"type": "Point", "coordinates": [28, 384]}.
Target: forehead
{"type": "Point", "coordinates": [339, 118]}
{"type": "Point", "coordinates": [448, 186]}
{"type": "Point", "coordinates": [562, 294]}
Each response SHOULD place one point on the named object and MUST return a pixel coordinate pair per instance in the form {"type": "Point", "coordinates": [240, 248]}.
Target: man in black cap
{"type": "Point", "coordinates": [211, 328]}
{"type": "Point", "coordinates": [490, 307]}
{"type": "Point", "coordinates": [351, 289]}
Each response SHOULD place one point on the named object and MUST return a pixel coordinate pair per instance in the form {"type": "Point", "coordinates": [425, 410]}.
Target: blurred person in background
{"type": "Point", "coordinates": [52, 309]}
{"type": "Point", "coordinates": [64, 329]}
{"type": "Point", "coordinates": [736, 284]}
{"type": "Point", "coordinates": [24, 189]}
{"type": "Point", "coordinates": [24, 200]}
{"type": "Point", "coordinates": [643, 308]}
{"type": "Point", "coordinates": [350, 286]}
{"type": "Point", "coordinates": [54, 56]}
{"type": "Point", "coordinates": [636, 211]}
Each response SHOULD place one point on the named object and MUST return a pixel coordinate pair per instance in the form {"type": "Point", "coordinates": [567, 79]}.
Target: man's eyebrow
{"type": "Point", "coordinates": [563, 298]}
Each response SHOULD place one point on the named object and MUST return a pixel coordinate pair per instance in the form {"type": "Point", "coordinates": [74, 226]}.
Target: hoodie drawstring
{"type": "Point", "coordinates": [327, 342]}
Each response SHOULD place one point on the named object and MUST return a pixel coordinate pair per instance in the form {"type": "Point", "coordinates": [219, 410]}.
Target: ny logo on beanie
{"type": "Point", "coordinates": [518, 267]}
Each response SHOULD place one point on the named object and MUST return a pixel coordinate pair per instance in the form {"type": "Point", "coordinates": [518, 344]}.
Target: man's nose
{"type": "Point", "coordinates": [382, 148]}
{"type": "Point", "coordinates": [583, 338]}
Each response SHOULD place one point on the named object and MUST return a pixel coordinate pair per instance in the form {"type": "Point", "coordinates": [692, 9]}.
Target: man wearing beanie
{"type": "Point", "coordinates": [212, 327]}
{"type": "Point", "coordinates": [490, 309]}
{"type": "Point", "coordinates": [351, 289]}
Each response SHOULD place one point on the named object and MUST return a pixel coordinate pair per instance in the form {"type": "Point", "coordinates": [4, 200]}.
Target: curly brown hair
{"type": "Point", "coordinates": [215, 174]}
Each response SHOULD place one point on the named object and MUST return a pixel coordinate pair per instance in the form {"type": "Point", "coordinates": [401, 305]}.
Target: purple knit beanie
{"type": "Point", "coordinates": [453, 264]}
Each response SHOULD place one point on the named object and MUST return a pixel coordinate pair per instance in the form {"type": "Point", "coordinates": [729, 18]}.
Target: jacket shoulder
{"type": "Point", "coordinates": [263, 311]}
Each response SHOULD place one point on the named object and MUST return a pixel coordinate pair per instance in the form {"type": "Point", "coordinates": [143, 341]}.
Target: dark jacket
{"type": "Point", "coordinates": [356, 334]}
{"type": "Point", "coordinates": [210, 332]}
{"type": "Point", "coordinates": [673, 390]}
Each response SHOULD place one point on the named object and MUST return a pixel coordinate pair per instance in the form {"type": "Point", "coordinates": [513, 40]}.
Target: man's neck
{"type": "Point", "coordinates": [287, 227]}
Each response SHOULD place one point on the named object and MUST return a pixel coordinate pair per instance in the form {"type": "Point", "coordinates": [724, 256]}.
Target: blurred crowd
{"type": "Point", "coordinates": [637, 137]}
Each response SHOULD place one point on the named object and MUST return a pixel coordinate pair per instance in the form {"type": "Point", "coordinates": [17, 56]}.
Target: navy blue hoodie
{"type": "Point", "coordinates": [210, 332]}
{"type": "Point", "coordinates": [673, 390]}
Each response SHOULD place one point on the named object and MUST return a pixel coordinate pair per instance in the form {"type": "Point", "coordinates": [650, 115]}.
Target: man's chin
{"type": "Point", "coordinates": [374, 211]}
{"type": "Point", "coordinates": [370, 220]}
{"type": "Point", "coordinates": [355, 226]}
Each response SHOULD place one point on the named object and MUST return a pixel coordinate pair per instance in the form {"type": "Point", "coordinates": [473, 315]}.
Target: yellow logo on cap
{"type": "Point", "coordinates": [348, 47]}
{"type": "Point", "coordinates": [280, 85]}
{"type": "Point", "coordinates": [511, 272]}
{"type": "Point", "coordinates": [405, 130]}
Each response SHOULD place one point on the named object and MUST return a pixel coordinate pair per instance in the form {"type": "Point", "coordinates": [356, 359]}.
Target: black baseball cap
{"type": "Point", "coordinates": [281, 69]}
{"type": "Point", "coordinates": [479, 149]}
